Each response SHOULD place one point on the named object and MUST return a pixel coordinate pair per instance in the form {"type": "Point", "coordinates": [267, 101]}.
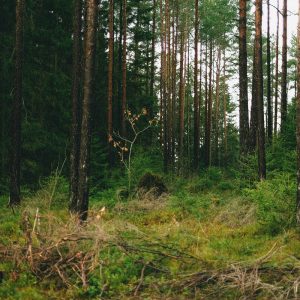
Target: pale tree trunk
{"type": "Point", "coordinates": [89, 57]}
{"type": "Point", "coordinates": [16, 116]}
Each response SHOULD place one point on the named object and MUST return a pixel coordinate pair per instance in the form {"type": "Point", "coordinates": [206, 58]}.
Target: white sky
{"type": "Point", "coordinates": [292, 17]}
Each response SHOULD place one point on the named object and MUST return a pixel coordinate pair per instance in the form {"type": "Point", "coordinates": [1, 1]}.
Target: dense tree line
{"type": "Point", "coordinates": [72, 77]}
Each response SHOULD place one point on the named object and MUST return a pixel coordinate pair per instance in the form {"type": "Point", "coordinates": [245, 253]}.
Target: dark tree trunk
{"type": "Point", "coordinates": [253, 123]}
{"type": "Point", "coordinates": [284, 67]}
{"type": "Point", "coordinates": [209, 110]}
{"type": "Point", "coordinates": [153, 49]}
{"type": "Point", "coordinates": [269, 95]}
{"type": "Point", "coordinates": [110, 80]}
{"type": "Point", "coordinates": [276, 74]}
{"type": "Point", "coordinates": [259, 91]}
{"type": "Point", "coordinates": [244, 111]}
{"type": "Point", "coordinates": [124, 70]}
{"type": "Point", "coordinates": [75, 131]}
{"type": "Point", "coordinates": [298, 119]}
{"type": "Point", "coordinates": [181, 96]}
{"type": "Point", "coordinates": [89, 57]}
{"type": "Point", "coordinates": [16, 116]}
{"type": "Point", "coordinates": [196, 92]}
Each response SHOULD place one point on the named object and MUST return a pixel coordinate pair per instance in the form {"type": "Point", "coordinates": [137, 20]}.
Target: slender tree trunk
{"type": "Point", "coordinates": [217, 106]}
{"type": "Point", "coordinates": [153, 49]}
{"type": "Point", "coordinates": [253, 123]}
{"type": "Point", "coordinates": [225, 108]}
{"type": "Point", "coordinates": [16, 115]}
{"type": "Point", "coordinates": [181, 96]}
{"type": "Point", "coordinates": [124, 70]}
{"type": "Point", "coordinates": [75, 131]}
{"type": "Point", "coordinates": [209, 110]}
{"type": "Point", "coordinates": [276, 74]}
{"type": "Point", "coordinates": [110, 80]}
{"type": "Point", "coordinates": [244, 111]}
{"type": "Point", "coordinates": [89, 57]}
{"type": "Point", "coordinates": [174, 126]}
{"type": "Point", "coordinates": [269, 95]}
{"type": "Point", "coordinates": [259, 91]}
{"type": "Point", "coordinates": [196, 92]}
{"type": "Point", "coordinates": [298, 118]}
{"type": "Point", "coordinates": [284, 67]}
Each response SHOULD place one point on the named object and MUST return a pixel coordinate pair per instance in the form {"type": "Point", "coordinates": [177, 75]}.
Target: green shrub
{"type": "Point", "coordinates": [275, 201]}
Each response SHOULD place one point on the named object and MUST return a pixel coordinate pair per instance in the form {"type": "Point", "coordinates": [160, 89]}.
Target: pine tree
{"type": "Point", "coordinates": [89, 57]}
{"type": "Point", "coordinates": [284, 67]}
{"type": "Point", "coordinates": [259, 91]}
{"type": "Point", "coordinates": [16, 109]}
{"type": "Point", "coordinates": [244, 118]}
{"type": "Point", "coordinates": [298, 117]}
{"type": "Point", "coordinates": [75, 131]}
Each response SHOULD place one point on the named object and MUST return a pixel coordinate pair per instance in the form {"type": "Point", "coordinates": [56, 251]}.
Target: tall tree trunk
{"type": "Point", "coordinates": [181, 96]}
{"type": "Point", "coordinates": [124, 70]}
{"type": "Point", "coordinates": [259, 91]}
{"type": "Point", "coordinates": [89, 57]}
{"type": "Point", "coordinates": [196, 92]}
{"type": "Point", "coordinates": [153, 49]}
{"type": "Point", "coordinates": [110, 80]}
{"type": "Point", "coordinates": [284, 67]}
{"type": "Point", "coordinates": [244, 111]}
{"type": "Point", "coordinates": [225, 109]}
{"type": "Point", "coordinates": [276, 74]}
{"type": "Point", "coordinates": [217, 106]}
{"type": "Point", "coordinates": [16, 115]}
{"type": "Point", "coordinates": [253, 123]}
{"type": "Point", "coordinates": [209, 110]}
{"type": "Point", "coordinates": [298, 118]}
{"type": "Point", "coordinates": [75, 131]}
{"type": "Point", "coordinates": [269, 95]}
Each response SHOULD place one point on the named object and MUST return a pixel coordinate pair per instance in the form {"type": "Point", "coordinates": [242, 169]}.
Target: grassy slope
{"type": "Point", "coordinates": [216, 221]}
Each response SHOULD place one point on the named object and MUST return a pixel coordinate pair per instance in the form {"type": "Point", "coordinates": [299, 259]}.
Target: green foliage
{"type": "Point", "coordinates": [275, 201]}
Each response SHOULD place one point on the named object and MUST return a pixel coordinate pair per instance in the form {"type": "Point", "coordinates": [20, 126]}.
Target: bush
{"type": "Point", "coordinates": [275, 202]}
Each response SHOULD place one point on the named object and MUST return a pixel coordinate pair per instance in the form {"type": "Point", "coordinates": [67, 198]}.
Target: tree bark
{"type": "Point", "coordinates": [209, 110]}
{"type": "Point", "coordinates": [298, 118]}
{"type": "Point", "coordinates": [252, 141]}
{"type": "Point", "coordinates": [259, 91]}
{"type": "Point", "coordinates": [244, 111]}
{"type": "Point", "coordinates": [110, 80]}
{"type": "Point", "coordinates": [269, 95]}
{"type": "Point", "coordinates": [16, 115]}
{"type": "Point", "coordinates": [75, 131]}
{"type": "Point", "coordinates": [89, 57]}
{"type": "Point", "coordinates": [196, 92]}
{"type": "Point", "coordinates": [284, 67]}
{"type": "Point", "coordinates": [124, 70]}
{"type": "Point", "coordinates": [276, 74]}
{"type": "Point", "coordinates": [153, 49]}
{"type": "Point", "coordinates": [181, 96]}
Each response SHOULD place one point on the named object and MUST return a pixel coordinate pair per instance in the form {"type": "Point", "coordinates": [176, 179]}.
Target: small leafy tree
{"type": "Point", "coordinates": [124, 145]}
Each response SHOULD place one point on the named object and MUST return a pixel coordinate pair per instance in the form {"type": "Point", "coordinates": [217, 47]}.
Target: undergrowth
{"type": "Point", "coordinates": [212, 236]}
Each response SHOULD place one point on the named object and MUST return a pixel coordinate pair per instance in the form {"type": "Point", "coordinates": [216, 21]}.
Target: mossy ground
{"type": "Point", "coordinates": [210, 224]}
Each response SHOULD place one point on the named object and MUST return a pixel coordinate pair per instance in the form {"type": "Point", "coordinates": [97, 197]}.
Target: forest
{"type": "Point", "coordinates": [150, 149]}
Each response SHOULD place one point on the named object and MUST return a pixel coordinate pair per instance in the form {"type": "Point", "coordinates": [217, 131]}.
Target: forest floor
{"type": "Point", "coordinates": [208, 238]}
